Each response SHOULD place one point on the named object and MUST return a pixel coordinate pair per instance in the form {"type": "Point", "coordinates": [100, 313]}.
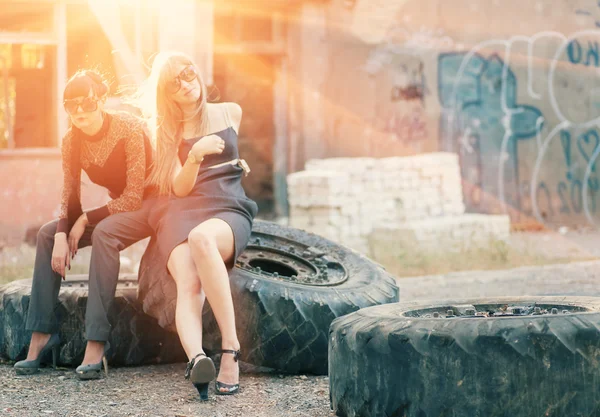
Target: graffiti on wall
{"type": "Point", "coordinates": [405, 118]}
{"type": "Point", "coordinates": [589, 12]}
{"type": "Point", "coordinates": [403, 115]}
{"type": "Point", "coordinates": [539, 158]}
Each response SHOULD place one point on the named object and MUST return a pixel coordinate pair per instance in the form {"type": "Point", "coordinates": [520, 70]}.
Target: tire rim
{"type": "Point", "coordinates": [493, 311]}
{"type": "Point", "coordinates": [281, 259]}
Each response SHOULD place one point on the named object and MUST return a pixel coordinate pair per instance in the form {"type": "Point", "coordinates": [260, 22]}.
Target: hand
{"type": "Point", "coordinates": [208, 145]}
{"type": "Point", "coordinates": [60, 254]}
{"type": "Point", "coordinates": [76, 233]}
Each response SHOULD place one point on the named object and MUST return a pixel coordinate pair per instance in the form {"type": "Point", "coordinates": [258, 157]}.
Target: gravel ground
{"type": "Point", "coordinates": [573, 279]}
{"type": "Point", "coordinates": [153, 391]}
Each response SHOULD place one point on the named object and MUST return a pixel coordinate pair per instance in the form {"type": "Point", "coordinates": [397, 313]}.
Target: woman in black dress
{"type": "Point", "coordinates": [207, 220]}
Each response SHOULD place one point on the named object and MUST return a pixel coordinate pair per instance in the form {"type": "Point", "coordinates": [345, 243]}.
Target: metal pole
{"type": "Point", "coordinates": [7, 121]}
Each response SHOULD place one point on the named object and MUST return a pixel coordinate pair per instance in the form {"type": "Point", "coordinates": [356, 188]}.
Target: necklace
{"type": "Point", "coordinates": [95, 155]}
{"type": "Point", "coordinates": [96, 148]}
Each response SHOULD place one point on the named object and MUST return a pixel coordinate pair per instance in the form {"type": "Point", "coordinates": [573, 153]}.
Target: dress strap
{"type": "Point", "coordinates": [226, 115]}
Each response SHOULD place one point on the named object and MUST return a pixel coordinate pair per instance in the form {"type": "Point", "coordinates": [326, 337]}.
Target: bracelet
{"type": "Point", "coordinates": [193, 160]}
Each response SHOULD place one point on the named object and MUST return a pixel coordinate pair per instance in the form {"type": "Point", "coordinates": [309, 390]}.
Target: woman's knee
{"type": "Point", "coordinates": [101, 233]}
{"type": "Point", "coordinates": [201, 243]}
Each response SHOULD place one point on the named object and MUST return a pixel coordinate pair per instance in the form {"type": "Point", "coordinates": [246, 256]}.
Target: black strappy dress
{"type": "Point", "coordinates": [217, 193]}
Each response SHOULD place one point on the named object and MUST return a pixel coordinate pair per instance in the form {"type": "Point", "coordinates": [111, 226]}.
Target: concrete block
{"type": "Point", "coordinates": [446, 233]}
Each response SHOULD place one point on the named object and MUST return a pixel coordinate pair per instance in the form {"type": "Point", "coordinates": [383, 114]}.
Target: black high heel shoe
{"type": "Point", "coordinates": [201, 370]}
{"type": "Point", "coordinates": [229, 389]}
{"type": "Point", "coordinates": [26, 367]}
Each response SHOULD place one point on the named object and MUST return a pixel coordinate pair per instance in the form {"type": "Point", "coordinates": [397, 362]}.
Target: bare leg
{"type": "Point", "coordinates": [94, 350]}
{"type": "Point", "coordinates": [38, 341]}
{"type": "Point", "coordinates": [211, 244]}
{"type": "Point", "coordinates": [190, 299]}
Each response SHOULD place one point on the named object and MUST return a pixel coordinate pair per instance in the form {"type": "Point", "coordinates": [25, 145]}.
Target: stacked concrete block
{"type": "Point", "coordinates": [346, 199]}
{"type": "Point", "coordinates": [452, 233]}
{"type": "Point", "coordinates": [423, 186]}
{"type": "Point", "coordinates": [324, 202]}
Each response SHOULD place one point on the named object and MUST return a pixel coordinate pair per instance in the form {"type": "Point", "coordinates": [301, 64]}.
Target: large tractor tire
{"type": "Point", "coordinates": [135, 337]}
{"type": "Point", "coordinates": [497, 357]}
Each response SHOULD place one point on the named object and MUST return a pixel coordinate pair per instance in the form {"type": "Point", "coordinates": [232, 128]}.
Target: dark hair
{"type": "Point", "coordinates": [80, 84]}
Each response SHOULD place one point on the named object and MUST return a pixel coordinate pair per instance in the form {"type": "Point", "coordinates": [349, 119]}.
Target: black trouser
{"type": "Point", "coordinates": [107, 238]}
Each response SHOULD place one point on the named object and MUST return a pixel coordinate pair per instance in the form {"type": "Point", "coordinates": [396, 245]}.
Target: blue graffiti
{"type": "Point", "coordinates": [570, 198]}
{"type": "Point", "coordinates": [482, 102]}
{"type": "Point", "coordinates": [583, 141]}
{"type": "Point", "coordinates": [586, 154]}
{"type": "Point", "coordinates": [570, 193]}
{"type": "Point", "coordinates": [577, 156]}
{"type": "Point", "coordinates": [576, 53]}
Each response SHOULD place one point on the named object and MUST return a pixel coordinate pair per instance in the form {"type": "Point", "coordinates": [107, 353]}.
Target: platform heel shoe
{"type": "Point", "coordinates": [228, 389]}
{"type": "Point", "coordinates": [201, 371]}
{"type": "Point", "coordinates": [33, 366]}
{"type": "Point", "coordinates": [94, 370]}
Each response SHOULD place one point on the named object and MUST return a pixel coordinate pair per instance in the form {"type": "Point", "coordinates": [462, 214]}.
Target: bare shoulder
{"type": "Point", "coordinates": [235, 114]}
{"type": "Point", "coordinates": [224, 114]}
{"type": "Point", "coordinates": [234, 109]}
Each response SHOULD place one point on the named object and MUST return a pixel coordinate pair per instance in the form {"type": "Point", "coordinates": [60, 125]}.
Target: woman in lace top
{"type": "Point", "coordinates": [115, 152]}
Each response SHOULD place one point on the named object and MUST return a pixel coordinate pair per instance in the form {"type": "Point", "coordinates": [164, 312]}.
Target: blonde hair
{"type": "Point", "coordinates": [165, 117]}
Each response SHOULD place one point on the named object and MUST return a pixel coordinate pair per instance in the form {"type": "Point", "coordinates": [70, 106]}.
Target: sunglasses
{"type": "Point", "coordinates": [87, 105]}
{"type": "Point", "coordinates": [188, 74]}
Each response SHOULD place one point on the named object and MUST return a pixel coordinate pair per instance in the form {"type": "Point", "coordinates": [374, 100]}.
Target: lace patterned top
{"type": "Point", "coordinates": [118, 158]}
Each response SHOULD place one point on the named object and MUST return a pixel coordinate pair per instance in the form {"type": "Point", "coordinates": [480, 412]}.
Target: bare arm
{"type": "Point", "coordinates": [184, 177]}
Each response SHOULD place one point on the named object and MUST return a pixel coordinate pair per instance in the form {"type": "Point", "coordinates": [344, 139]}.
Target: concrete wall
{"type": "Point", "coordinates": [510, 86]}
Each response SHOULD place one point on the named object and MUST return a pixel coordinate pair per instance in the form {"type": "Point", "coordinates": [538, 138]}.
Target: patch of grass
{"type": "Point", "coordinates": [409, 260]}
{"type": "Point", "coordinates": [17, 263]}
{"type": "Point", "coordinates": [9, 273]}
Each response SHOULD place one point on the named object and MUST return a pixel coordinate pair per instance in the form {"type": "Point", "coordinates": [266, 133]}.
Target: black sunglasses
{"type": "Point", "coordinates": [188, 74]}
{"type": "Point", "coordinates": [87, 105]}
